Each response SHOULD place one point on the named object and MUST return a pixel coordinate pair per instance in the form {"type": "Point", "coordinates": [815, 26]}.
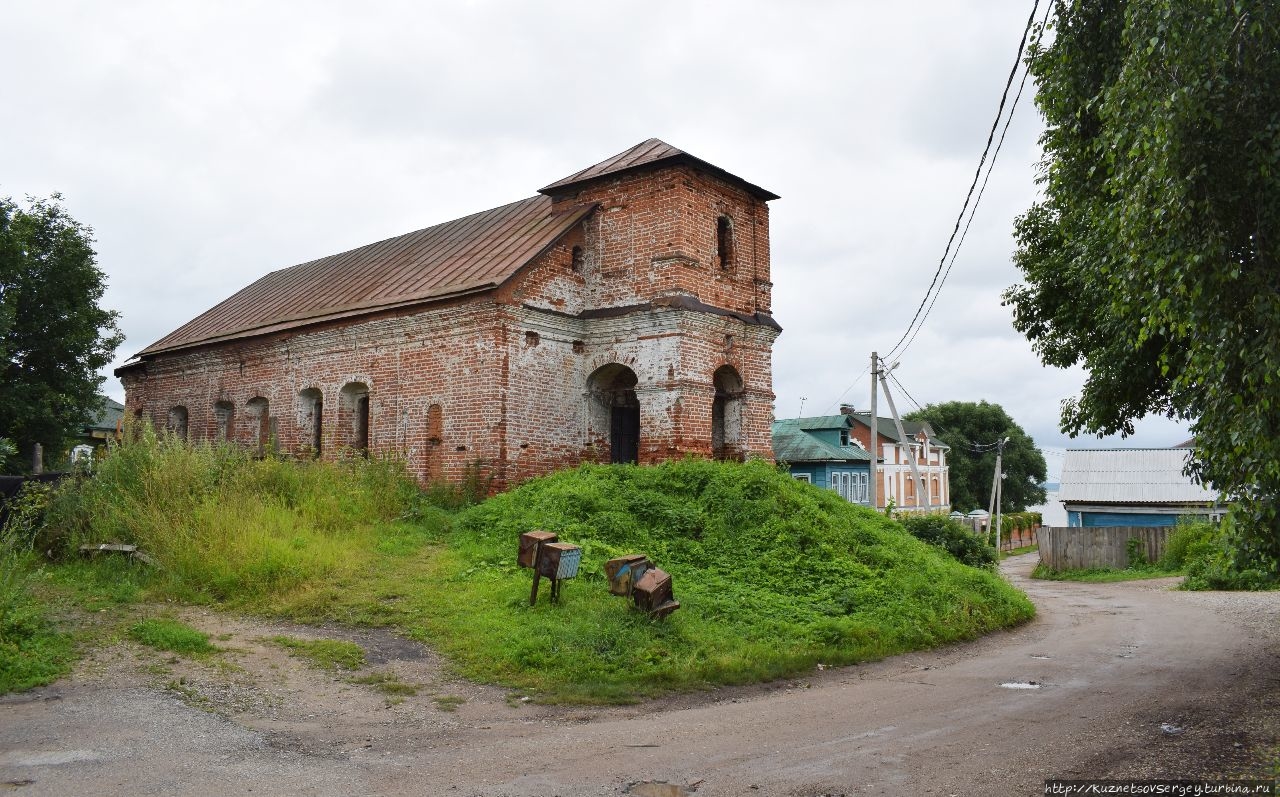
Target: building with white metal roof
{"type": "Point", "coordinates": [1132, 487]}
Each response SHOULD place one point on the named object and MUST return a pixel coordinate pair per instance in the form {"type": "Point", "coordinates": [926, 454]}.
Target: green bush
{"type": "Point", "coordinates": [1227, 560]}
{"type": "Point", "coordinates": [953, 537]}
{"type": "Point", "coordinates": [1189, 542]}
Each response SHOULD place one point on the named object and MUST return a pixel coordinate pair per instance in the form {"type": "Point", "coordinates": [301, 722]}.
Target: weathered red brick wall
{"type": "Point", "coordinates": [502, 380]}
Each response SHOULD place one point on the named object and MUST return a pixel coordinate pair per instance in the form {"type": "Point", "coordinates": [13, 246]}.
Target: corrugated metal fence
{"type": "Point", "coordinates": [1104, 546]}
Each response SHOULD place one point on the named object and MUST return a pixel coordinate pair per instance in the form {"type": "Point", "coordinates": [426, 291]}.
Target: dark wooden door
{"type": "Point", "coordinates": [624, 435]}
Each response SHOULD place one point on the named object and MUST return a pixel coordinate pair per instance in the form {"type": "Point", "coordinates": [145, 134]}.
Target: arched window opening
{"type": "Point", "coordinates": [311, 419]}
{"type": "Point", "coordinates": [224, 414]}
{"type": "Point", "coordinates": [435, 442]}
{"type": "Point", "coordinates": [576, 259]}
{"type": "Point", "coordinates": [724, 242]}
{"type": "Point", "coordinates": [614, 406]}
{"type": "Point", "coordinates": [354, 415]}
{"type": "Point", "coordinates": [726, 414]}
{"type": "Point", "coordinates": [260, 424]}
{"type": "Point", "coordinates": [178, 422]}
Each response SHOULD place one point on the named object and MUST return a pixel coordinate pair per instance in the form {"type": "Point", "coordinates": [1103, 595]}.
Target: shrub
{"type": "Point", "coordinates": [1228, 561]}
{"type": "Point", "coordinates": [1190, 541]}
{"type": "Point", "coordinates": [953, 537]}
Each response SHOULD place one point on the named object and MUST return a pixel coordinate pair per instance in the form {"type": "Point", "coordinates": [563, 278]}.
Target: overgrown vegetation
{"type": "Point", "coordinates": [226, 526]}
{"type": "Point", "coordinates": [774, 576]}
{"type": "Point", "coordinates": [953, 537]}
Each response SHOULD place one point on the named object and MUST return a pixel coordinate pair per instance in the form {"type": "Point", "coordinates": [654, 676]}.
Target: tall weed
{"type": "Point", "coordinates": [224, 524]}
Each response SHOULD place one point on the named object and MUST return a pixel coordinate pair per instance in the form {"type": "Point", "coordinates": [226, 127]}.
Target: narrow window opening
{"type": "Point", "coordinates": [724, 242]}
{"type": "Point", "coordinates": [576, 259]}
{"type": "Point", "coordinates": [532, 339]}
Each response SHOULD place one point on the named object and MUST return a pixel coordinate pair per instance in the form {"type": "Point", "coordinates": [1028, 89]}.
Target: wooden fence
{"type": "Point", "coordinates": [1078, 548]}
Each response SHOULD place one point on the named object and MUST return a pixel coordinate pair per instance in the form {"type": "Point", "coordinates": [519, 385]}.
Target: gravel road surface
{"type": "Point", "coordinates": [1130, 680]}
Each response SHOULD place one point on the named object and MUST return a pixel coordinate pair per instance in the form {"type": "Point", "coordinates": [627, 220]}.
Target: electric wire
{"type": "Point", "coordinates": [995, 125]}
{"type": "Point", "coordinates": [974, 210]}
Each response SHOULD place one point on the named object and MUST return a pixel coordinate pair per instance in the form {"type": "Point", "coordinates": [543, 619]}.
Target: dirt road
{"type": "Point", "coordinates": [1131, 680]}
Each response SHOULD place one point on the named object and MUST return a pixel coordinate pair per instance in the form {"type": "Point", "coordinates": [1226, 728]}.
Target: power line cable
{"type": "Point", "coordinates": [836, 403]}
{"type": "Point", "coordinates": [995, 125]}
{"type": "Point", "coordinates": [974, 211]}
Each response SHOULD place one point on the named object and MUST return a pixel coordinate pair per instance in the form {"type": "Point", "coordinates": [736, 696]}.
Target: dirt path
{"type": "Point", "coordinates": [1112, 663]}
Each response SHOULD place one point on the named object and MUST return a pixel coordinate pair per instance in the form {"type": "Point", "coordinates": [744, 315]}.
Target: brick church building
{"type": "Point", "coordinates": [621, 315]}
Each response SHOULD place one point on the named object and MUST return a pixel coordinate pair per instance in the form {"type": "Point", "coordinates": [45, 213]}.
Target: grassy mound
{"type": "Point", "coordinates": [774, 576]}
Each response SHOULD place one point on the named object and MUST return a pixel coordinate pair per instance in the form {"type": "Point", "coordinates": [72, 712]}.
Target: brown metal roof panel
{"type": "Point", "coordinates": [648, 154]}
{"type": "Point", "coordinates": [483, 249]}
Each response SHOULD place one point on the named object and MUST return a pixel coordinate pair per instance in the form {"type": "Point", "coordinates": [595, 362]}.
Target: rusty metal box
{"type": "Point", "coordinates": [623, 571]}
{"type": "Point", "coordinates": [529, 542]}
{"type": "Point", "coordinates": [559, 560]}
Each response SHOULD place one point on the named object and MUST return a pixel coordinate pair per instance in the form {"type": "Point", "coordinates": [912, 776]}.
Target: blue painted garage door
{"type": "Point", "coordinates": [1094, 519]}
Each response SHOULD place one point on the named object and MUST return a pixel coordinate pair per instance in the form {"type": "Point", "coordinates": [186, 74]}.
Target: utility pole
{"type": "Point", "coordinates": [874, 448]}
{"type": "Point", "coordinates": [902, 437]}
{"type": "Point", "coordinates": [997, 490]}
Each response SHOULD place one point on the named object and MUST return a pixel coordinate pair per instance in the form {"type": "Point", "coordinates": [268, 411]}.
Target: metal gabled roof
{"type": "Point", "coordinates": [474, 253]}
{"type": "Point", "coordinates": [1129, 475]}
{"type": "Point", "coordinates": [648, 154]}
{"type": "Point", "coordinates": [792, 443]}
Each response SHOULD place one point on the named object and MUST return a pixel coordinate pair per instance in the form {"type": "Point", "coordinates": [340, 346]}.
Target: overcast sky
{"type": "Point", "coordinates": [210, 143]}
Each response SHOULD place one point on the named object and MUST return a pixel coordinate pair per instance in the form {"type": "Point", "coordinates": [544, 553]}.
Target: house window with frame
{"type": "Point", "coordinates": [802, 477]}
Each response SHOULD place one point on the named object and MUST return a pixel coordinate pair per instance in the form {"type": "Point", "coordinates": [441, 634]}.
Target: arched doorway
{"type": "Point", "coordinates": [612, 391]}
{"type": "Point", "coordinates": [726, 414]}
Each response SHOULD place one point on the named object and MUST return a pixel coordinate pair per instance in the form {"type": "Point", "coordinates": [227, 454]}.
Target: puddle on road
{"type": "Point", "coordinates": [1020, 685]}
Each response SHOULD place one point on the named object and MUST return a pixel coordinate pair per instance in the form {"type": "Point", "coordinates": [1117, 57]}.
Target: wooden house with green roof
{"type": "Point", "coordinates": [822, 451]}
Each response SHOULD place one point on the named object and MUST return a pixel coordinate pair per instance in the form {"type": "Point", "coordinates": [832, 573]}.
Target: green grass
{"type": "Point", "coordinates": [164, 633]}
{"type": "Point", "coordinates": [33, 651]}
{"type": "Point", "coordinates": [1101, 575]}
{"type": "Point", "coordinates": [774, 576]}
{"type": "Point", "coordinates": [324, 654]}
